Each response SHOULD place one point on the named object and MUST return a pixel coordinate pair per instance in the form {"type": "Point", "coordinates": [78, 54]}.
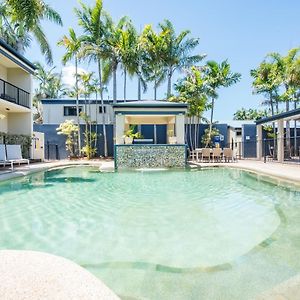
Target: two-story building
{"type": "Point", "coordinates": [15, 92]}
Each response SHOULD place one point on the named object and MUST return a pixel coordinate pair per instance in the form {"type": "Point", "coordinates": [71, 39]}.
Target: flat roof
{"type": "Point", "coordinates": [285, 115]}
{"type": "Point", "coordinates": [15, 53]}
{"type": "Point", "coordinates": [150, 104]}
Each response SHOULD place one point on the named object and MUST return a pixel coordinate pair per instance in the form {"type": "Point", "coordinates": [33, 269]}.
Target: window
{"type": "Point", "coordinates": [71, 110]}
{"type": "Point", "coordinates": [100, 109]}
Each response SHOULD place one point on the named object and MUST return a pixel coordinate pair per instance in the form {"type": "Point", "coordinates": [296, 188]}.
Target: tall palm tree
{"type": "Point", "coordinates": [72, 43]}
{"type": "Point", "coordinates": [112, 51]}
{"type": "Point", "coordinates": [94, 22]}
{"type": "Point", "coordinates": [177, 49]}
{"type": "Point", "coordinates": [154, 44]}
{"type": "Point", "coordinates": [21, 19]}
{"type": "Point", "coordinates": [289, 78]}
{"type": "Point", "coordinates": [218, 75]}
{"type": "Point", "coordinates": [128, 53]}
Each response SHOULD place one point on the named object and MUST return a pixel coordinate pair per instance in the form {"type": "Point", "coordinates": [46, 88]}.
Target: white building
{"type": "Point", "coordinates": [56, 111]}
{"type": "Point", "coordinates": [15, 92]}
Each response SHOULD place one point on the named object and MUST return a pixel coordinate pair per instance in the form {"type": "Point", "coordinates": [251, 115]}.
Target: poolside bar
{"type": "Point", "coordinates": [147, 153]}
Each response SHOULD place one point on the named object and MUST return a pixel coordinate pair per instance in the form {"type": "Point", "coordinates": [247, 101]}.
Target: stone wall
{"type": "Point", "coordinates": [150, 156]}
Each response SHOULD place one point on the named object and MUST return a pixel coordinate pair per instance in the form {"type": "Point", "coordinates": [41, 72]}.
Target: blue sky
{"type": "Point", "coordinates": [241, 31]}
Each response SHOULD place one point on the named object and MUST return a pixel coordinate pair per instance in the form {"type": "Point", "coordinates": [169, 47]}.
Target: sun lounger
{"type": "Point", "coordinates": [14, 155]}
{"type": "Point", "coordinates": [3, 159]}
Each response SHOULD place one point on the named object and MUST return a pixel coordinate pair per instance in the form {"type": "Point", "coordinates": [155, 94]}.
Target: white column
{"type": "Point", "coordinates": [280, 141]}
{"type": "Point", "coordinates": [179, 128]}
{"type": "Point", "coordinates": [120, 128]}
{"type": "Point", "coordinates": [259, 142]}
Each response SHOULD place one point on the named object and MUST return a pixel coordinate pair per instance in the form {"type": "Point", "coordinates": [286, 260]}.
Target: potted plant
{"type": "Point", "coordinates": [172, 138]}
{"type": "Point", "coordinates": [129, 136]}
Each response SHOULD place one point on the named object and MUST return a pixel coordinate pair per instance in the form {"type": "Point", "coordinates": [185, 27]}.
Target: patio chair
{"type": "Point", "coordinates": [216, 154]}
{"type": "Point", "coordinates": [228, 154]}
{"type": "Point", "coordinates": [14, 155]}
{"type": "Point", "coordinates": [205, 154]}
{"type": "Point", "coordinates": [3, 159]}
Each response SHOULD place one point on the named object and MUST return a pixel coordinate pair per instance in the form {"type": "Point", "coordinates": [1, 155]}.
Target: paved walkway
{"type": "Point", "coordinates": [285, 172]}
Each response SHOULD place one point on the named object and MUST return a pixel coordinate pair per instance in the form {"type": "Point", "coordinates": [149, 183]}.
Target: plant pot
{"type": "Point", "coordinates": [172, 140]}
{"type": "Point", "coordinates": [128, 140]}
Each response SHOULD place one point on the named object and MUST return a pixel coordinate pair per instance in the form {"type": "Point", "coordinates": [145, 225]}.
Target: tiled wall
{"type": "Point", "coordinates": [150, 156]}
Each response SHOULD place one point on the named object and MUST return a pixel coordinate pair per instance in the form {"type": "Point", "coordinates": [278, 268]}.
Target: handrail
{"type": "Point", "coordinates": [14, 94]}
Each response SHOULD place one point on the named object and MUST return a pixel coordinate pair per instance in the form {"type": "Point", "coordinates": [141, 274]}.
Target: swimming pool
{"type": "Point", "coordinates": [191, 234]}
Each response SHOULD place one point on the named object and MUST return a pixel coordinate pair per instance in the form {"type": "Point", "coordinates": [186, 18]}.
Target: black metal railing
{"type": "Point", "coordinates": [12, 93]}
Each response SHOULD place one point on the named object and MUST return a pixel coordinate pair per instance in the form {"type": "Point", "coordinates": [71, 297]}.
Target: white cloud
{"type": "Point", "coordinates": [68, 74]}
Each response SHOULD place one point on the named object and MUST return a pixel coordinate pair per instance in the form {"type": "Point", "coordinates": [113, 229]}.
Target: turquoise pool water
{"type": "Point", "coordinates": [193, 234]}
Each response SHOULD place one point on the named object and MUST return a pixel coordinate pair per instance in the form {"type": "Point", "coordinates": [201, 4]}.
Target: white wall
{"type": "Point", "coordinates": [3, 72]}
{"type": "Point", "coordinates": [19, 123]}
{"type": "Point", "coordinates": [54, 113]}
{"type": "Point", "coordinates": [19, 78]}
{"type": "Point", "coordinates": [3, 122]}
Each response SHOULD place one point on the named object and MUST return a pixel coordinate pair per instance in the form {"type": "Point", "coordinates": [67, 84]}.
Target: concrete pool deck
{"type": "Point", "coordinates": [282, 172]}
{"type": "Point", "coordinates": [37, 275]}
{"type": "Point", "coordinates": [285, 172]}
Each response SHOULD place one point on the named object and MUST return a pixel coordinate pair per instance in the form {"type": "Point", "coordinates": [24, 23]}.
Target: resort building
{"type": "Point", "coordinates": [15, 92]}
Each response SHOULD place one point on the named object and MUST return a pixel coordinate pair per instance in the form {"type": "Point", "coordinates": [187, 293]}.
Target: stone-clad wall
{"type": "Point", "coordinates": [150, 156]}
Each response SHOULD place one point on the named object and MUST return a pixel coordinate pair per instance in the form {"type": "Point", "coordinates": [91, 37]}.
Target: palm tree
{"type": "Point", "coordinates": [218, 75]}
{"type": "Point", "coordinates": [177, 49]}
{"type": "Point", "coordinates": [112, 51]}
{"type": "Point", "coordinates": [288, 75]}
{"type": "Point", "coordinates": [128, 52]}
{"type": "Point", "coordinates": [154, 44]}
{"type": "Point", "coordinates": [72, 43]}
{"type": "Point", "coordinates": [94, 22]}
{"type": "Point", "coordinates": [21, 19]}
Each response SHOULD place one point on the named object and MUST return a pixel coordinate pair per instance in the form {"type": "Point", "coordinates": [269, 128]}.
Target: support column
{"type": "Point", "coordinates": [259, 142]}
{"type": "Point", "coordinates": [120, 128]}
{"type": "Point", "coordinates": [179, 127]}
{"type": "Point", "coordinates": [280, 141]}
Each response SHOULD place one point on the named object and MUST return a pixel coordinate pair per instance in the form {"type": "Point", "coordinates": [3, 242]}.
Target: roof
{"type": "Point", "coordinates": [16, 54]}
{"type": "Point", "coordinates": [150, 104]}
{"type": "Point", "coordinates": [239, 123]}
{"type": "Point", "coordinates": [73, 101]}
{"type": "Point", "coordinates": [285, 115]}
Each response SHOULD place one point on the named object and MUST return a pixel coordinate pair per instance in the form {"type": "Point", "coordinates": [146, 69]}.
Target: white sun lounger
{"type": "Point", "coordinates": [14, 155]}
{"type": "Point", "coordinates": [3, 159]}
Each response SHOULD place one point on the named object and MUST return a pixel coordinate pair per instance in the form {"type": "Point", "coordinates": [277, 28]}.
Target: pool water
{"type": "Point", "coordinates": [190, 234]}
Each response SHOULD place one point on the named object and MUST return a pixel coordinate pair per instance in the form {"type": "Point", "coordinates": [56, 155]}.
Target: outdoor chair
{"type": "Point", "coordinates": [14, 155]}
{"type": "Point", "coordinates": [228, 154]}
{"type": "Point", "coordinates": [205, 154]}
{"type": "Point", "coordinates": [216, 154]}
{"type": "Point", "coordinates": [3, 159]}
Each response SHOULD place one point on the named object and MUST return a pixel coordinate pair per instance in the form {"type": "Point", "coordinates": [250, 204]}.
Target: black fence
{"type": "Point", "coordinates": [12, 93]}
{"type": "Point", "coordinates": [291, 149]}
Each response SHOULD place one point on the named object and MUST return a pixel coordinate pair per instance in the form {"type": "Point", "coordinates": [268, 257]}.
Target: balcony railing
{"type": "Point", "coordinates": [12, 93]}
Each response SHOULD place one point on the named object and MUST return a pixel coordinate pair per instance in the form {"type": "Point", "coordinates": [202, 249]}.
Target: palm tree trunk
{"type": "Point", "coordinates": [115, 85]}
{"type": "Point", "coordinates": [288, 132]}
{"type": "Point", "coordinates": [155, 90]}
{"type": "Point", "coordinates": [96, 120]}
{"type": "Point", "coordinates": [125, 83]}
{"type": "Point", "coordinates": [102, 107]}
{"type": "Point", "coordinates": [211, 121]}
{"type": "Point", "coordinates": [139, 88]}
{"type": "Point", "coordinates": [169, 84]}
{"type": "Point", "coordinates": [77, 106]}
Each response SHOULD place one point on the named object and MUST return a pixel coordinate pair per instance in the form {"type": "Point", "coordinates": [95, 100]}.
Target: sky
{"type": "Point", "coordinates": [243, 32]}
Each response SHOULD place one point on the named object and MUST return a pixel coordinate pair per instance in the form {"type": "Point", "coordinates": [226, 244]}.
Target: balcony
{"type": "Point", "coordinates": [13, 94]}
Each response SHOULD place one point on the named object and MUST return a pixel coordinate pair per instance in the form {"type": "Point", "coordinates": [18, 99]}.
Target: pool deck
{"type": "Point", "coordinates": [36, 275]}
{"type": "Point", "coordinates": [282, 172]}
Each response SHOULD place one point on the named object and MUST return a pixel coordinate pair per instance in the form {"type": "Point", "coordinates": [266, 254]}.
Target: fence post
{"type": "Point", "coordinates": [56, 152]}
